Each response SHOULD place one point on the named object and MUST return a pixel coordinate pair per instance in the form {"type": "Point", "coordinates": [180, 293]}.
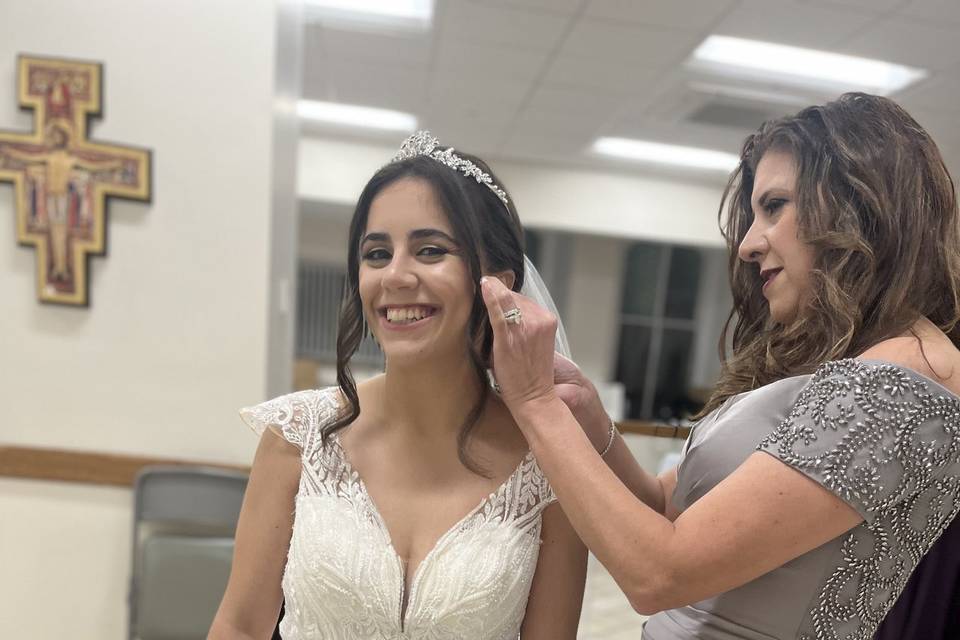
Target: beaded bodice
{"type": "Point", "coordinates": [343, 578]}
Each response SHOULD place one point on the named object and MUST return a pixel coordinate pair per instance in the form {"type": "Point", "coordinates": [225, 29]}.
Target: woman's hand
{"type": "Point", "coordinates": [527, 368]}
{"type": "Point", "coordinates": [580, 396]}
{"type": "Point", "coordinates": [522, 356]}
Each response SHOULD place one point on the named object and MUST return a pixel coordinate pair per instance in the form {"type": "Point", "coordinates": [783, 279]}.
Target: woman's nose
{"type": "Point", "coordinates": [754, 245]}
{"type": "Point", "coordinates": [399, 274]}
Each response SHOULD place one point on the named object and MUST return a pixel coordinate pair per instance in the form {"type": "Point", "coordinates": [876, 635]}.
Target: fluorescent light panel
{"type": "Point", "coordinates": [669, 154]}
{"type": "Point", "coordinates": [349, 115]}
{"type": "Point", "coordinates": [781, 63]}
{"type": "Point", "coordinates": [416, 12]}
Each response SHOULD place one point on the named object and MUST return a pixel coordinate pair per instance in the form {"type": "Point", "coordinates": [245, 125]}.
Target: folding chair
{"type": "Point", "coordinates": [184, 520]}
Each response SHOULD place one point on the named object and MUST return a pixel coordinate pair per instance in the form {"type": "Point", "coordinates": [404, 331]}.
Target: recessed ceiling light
{"type": "Point", "coordinates": [386, 13]}
{"type": "Point", "coordinates": [349, 115]}
{"type": "Point", "coordinates": [670, 154]}
{"type": "Point", "coordinates": [804, 67]}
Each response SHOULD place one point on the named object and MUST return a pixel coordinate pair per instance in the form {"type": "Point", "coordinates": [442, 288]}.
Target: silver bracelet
{"type": "Point", "coordinates": [611, 434]}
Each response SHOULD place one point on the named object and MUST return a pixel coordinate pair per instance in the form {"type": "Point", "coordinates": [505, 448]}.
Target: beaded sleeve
{"type": "Point", "coordinates": [887, 441]}
{"type": "Point", "coordinates": [876, 435]}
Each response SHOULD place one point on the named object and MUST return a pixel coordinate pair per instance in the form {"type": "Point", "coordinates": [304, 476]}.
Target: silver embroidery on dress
{"type": "Point", "coordinates": [343, 579]}
{"type": "Point", "coordinates": [878, 437]}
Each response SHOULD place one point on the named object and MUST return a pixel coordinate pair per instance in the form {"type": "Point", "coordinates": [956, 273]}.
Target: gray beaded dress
{"type": "Point", "coordinates": [883, 438]}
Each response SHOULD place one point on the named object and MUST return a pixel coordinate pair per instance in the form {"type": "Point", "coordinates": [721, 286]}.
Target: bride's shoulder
{"type": "Point", "coordinates": [371, 388]}
{"type": "Point", "coordinates": [368, 392]}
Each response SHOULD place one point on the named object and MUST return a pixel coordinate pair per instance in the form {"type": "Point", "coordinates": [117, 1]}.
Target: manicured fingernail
{"type": "Point", "coordinates": [483, 281]}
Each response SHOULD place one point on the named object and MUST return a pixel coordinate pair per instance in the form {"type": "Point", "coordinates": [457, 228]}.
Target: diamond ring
{"type": "Point", "coordinates": [513, 316]}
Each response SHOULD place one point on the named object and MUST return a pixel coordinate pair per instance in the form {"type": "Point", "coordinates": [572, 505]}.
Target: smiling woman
{"type": "Point", "coordinates": [419, 510]}
{"type": "Point", "coordinates": [421, 229]}
{"type": "Point", "coordinates": [408, 280]}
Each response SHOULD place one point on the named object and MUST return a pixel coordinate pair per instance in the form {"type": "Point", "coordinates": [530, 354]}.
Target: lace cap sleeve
{"type": "Point", "coordinates": [297, 417]}
{"type": "Point", "coordinates": [541, 489]}
{"type": "Point", "coordinates": [873, 434]}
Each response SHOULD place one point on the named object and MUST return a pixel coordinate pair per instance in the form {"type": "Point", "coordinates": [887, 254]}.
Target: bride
{"type": "Point", "coordinates": [408, 506]}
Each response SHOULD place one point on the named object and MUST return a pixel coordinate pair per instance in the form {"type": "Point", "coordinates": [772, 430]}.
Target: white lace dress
{"type": "Point", "coordinates": [343, 578]}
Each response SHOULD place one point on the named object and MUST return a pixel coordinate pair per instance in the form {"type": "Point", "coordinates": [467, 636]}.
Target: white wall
{"type": "Point", "coordinates": [175, 338]}
{"type": "Point", "coordinates": [592, 316]}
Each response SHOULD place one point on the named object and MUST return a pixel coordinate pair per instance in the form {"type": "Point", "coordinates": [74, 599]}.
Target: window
{"type": "Point", "coordinates": [657, 330]}
{"type": "Point", "coordinates": [319, 295]}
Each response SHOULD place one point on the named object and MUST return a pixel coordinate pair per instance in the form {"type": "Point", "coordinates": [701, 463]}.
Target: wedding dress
{"type": "Point", "coordinates": [343, 578]}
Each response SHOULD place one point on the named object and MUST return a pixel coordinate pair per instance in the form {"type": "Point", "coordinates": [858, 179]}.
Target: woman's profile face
{"type": "Point", "coordinates": [414, 285]}
{"type": "Point", "coordinates": [772, 242]}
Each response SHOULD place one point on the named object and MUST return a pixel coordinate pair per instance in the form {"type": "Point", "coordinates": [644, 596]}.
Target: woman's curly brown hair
{"type": "Point", "coordinates": [878, 206]}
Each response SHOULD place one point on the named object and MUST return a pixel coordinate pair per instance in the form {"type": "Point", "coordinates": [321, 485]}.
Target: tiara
{"type": "Point", "coordinates": [424, 143]}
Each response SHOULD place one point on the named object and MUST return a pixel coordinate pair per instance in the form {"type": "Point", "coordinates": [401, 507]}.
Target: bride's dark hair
{"type": "Point", "coordinates": [490, 237]}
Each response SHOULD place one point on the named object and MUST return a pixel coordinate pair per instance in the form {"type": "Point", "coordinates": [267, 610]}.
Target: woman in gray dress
{"type": "Point", "coordinates": [827, 461]}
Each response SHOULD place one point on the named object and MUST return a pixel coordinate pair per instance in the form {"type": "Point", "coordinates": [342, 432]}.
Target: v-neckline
{"type": "Point", "coordinates": [407, 595]}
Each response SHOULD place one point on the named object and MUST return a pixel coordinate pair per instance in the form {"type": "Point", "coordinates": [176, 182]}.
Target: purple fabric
{"type": "Point", "coordinates": [929, 607]}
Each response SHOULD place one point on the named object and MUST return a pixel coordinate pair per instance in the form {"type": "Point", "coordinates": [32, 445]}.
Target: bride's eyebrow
{"type": "Point", "coordinates": [421, 234]}
{"type": "Point", "coordinates": [376, 236]}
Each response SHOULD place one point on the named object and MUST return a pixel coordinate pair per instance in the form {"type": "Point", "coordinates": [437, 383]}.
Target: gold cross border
{"type": "Point", "coordinates": [83, 112]}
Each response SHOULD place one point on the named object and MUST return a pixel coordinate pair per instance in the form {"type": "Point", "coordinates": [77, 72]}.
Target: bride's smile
{"type": "Point", "coordinates": [416, 289]}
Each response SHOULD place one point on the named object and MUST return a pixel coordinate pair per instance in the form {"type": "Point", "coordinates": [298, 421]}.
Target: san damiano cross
{"type": "Point", "coordinates": [61, 178]}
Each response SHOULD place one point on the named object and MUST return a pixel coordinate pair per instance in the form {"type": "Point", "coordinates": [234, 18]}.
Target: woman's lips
{"type": "Point", "coordinates": [769, 277]}
{"type": "Point", "coordinates": [406, 326]}
{"type": "Point", "coordinates": [410, 325]}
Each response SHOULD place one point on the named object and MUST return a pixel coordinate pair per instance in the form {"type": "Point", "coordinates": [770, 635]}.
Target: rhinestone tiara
{"type": "Point", "coordinates": [424, 143]}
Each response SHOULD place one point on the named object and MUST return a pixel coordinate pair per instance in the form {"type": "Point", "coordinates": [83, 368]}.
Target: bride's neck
{"type": "Point", "coordinates": [430, 396]}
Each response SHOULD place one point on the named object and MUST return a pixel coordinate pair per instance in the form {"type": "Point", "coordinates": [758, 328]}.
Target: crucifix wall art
{"type": "Point", "coordinates": [61, 178]}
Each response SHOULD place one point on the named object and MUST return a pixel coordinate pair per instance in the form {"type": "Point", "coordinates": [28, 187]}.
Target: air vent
{"type": "Point", "coordinates": [738, 116]}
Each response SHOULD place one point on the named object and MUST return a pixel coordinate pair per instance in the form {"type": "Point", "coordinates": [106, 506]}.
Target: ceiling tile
{"type": "Point", "coordinates": [639, 106]}
{"type": "Point", "coordinates": [909, 42]}
{"type": "Point", "coordinates": [679, 14]}
{"type": "Point", "coordinates": [506, 78]}
{"type": "Point", "coordinates": [563, 124]}
{"type": "Point", "coordinates": [454, 91]}
{"type": "Point", "coordinates": [483, 23]}
{"type": "Point", "coordinates": [412, 50]}
{"type": "Point", "coordinates": [592, 74]}
{"type": "Point", "coordinates": [589, 104]}
{"type": "Point", "coordinates": [938, 93]}
{"type": "Point", "coordinates": [484, 62]}
{"type": "Point", "coordinates": [680, 133]}
{"type": "Point", "coordinates": [934, 10]}
{"type": "Point", "coordinates": [793, 23]}
{"type": "Point", "coordinates": [629, 44]}
{"type": "Point", "coordinates": [872, 6]}
{"type": "Point", "coordinates": [476, 139]}
{"type": "Point", "coordinates": [542, 145]}
{"type": "Point", "coordinates": [565, 7]}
